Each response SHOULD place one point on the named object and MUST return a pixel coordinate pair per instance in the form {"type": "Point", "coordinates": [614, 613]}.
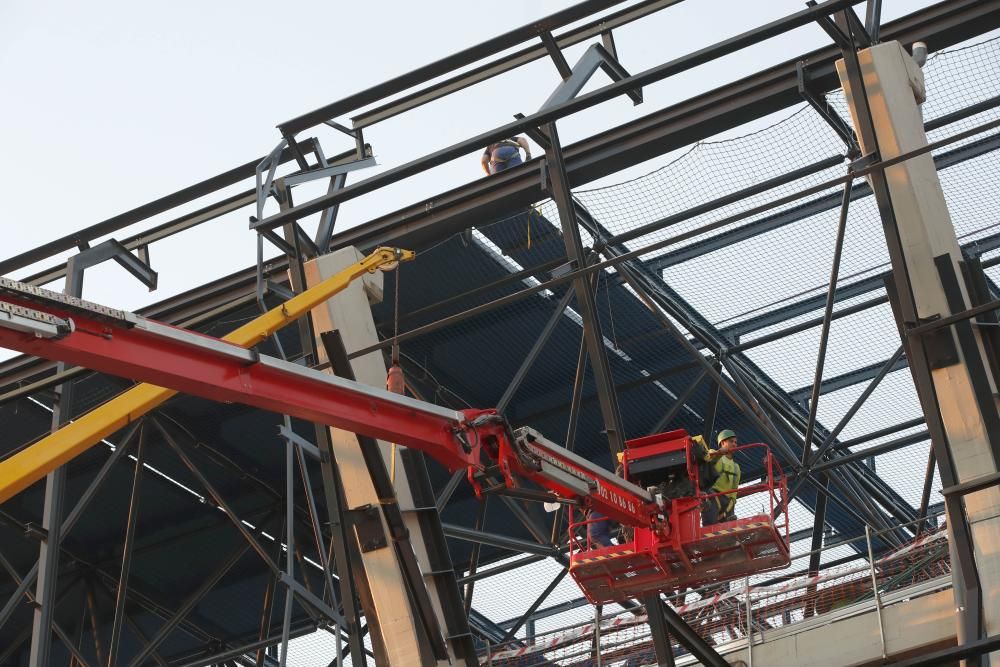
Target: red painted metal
{"type": "Point", "coordinates": [669, 548]}
{"type": "Point", "coordinates": [679, 552]}
{"type": "Point", "coordinates": [137, 354]}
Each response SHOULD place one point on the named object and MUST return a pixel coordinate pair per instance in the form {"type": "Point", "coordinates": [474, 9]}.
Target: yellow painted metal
{"type": "Point", "coordinates": [33, 463]}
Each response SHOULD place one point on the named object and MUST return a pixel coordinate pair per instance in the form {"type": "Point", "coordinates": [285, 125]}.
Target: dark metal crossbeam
{"type": "Point", "coordinates": [550, 115]}
{"type": "Point", "coordinates": [601, 26]}
{"type": "Point", "coordinates": [496, 540]}
{"type": "Point", "coordinates": [445, 65]}
{"type": "Point", "coordinates": [724, 108]}
{"type": "Point", "coordinates": [848, 379]}
{"type": "Point", "coordinates": [806, 210]}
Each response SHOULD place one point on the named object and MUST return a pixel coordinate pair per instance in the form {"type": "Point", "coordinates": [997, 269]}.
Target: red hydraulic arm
{"type": "Point", "coordinates": [52, 326]}
{"type": "Point", "coordinates": [669, 547]}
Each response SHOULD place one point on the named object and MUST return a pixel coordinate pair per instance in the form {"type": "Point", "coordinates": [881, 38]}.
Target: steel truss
{"type": "Point", "coordinates": [793, 427]}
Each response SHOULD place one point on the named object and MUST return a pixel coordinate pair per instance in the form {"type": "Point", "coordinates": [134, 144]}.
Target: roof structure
{"type": "Point", "coordinates": [709, 276]}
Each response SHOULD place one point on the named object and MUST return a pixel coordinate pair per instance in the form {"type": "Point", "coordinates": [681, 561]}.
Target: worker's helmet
{"type": "Point", "coordinates": [725, 435]}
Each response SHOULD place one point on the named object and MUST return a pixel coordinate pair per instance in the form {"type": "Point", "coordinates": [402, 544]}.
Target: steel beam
{"type": "Point", "coordinates": [848, 379]}
{"type": "Point", "coordinates": [497, 540]}
{"type": "Point", "coordinates": [118, 222]}
{"type": "Point", "coordinates": [547, 116]}
{"type": "Point", "coordinates": [596, 56]}
{"type": "Point", "coordinates": [680, 402]}
{"type": "Point", "coordinates": [824, 334]}
{"type": "Point", "coordinates": [129, 543]}
{"type": "Point", "coordinates": [445, 65]}
{"type": "Point", "coordinates": [536, 349]}
{"type": "Point", "coordinates": [659, 631]}
{"type": "Point", "coordinates": [192, 601]}
{"type": "Point", "coordinates": [512, 631]}
{"type": "Point", "coordinates": [505, 567]}
{"type": "Point", "coordinates": [602, 27]}
{"type": "Point", "coordinates": [727, 107]}
{"type": "Point", "coordinates": [594, 337]}
{"type": "Point", "coordinates": [831, 437]}
{"type": "Point", "coordinates": [684, 634]}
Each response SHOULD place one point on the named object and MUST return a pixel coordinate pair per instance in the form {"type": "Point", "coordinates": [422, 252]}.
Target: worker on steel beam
{"type": "Point", "coordinates": [722, 507]}
{"type": "Point", "coordinates": [504, 154]}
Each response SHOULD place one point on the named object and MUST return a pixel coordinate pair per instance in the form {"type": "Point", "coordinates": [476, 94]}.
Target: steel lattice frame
{"type": "Point", "coordinates": [418, 226]}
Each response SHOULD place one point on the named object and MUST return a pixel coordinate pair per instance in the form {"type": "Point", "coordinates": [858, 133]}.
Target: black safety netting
{"type": "Point", "coordinates": [755, 279]}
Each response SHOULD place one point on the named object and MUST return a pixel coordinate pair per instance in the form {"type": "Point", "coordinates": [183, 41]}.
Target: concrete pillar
{"type": "Point", "coordinates": [349, 312]}
{"type": "Point", "coordinates": [895, 88]}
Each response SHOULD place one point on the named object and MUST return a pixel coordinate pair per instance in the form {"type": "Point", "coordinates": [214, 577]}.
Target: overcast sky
{"type": "Point", "coordinates": [110, 105]}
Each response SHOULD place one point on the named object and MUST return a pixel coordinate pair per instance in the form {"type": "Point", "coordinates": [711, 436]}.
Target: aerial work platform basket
{"type": "Point", "coordinates": [677, 551]}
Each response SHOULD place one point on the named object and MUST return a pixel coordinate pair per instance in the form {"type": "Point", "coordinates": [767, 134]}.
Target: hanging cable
{"type": "Point", "coordinates": [394, 381]}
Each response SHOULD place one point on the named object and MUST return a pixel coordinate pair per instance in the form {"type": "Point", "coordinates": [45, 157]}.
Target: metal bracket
{"type": "Point", "coordinates": [873, 19]}
{"type": "Point", "coordinates": [279, 290]}
{"type": "Point", "coordinates": [367, 522]}
{"type": "Point", "coordinates": [300, 442]}
{"type": "Point", "coordinates": [113, 249]}
{"type": "Point", "coordinates": [306, 596]}
{"type": "Point", "coordinates": [536, 133]}
{"type": "Point", "coordinates": [851, 25]}
{"type": "Point", "coordinates": [358, 135]}
{"type": "Point", "coordinates": [973, 485]}
{"type": "Point", "coordinates": [861, 163]}
{"type": "Point", "coordinates": [940, 345]}
{"type": "Point", "coordinates": [33, 531]}
{"type": "Point", "coordinates": [826, 112]}
{"type": "Point", "coordinates": [556, 54]}
{"type": "Point", "coordinates": [593, 58]}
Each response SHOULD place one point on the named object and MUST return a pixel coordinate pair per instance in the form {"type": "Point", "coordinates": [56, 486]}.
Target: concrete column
{"type": "Point", "coordinates": [895, 88]}
{"type": "Point", "coordinates": [349, 312]}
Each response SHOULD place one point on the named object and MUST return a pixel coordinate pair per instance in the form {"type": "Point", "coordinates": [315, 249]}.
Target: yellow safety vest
{"type": "Point", "coordinates": [729, 477]}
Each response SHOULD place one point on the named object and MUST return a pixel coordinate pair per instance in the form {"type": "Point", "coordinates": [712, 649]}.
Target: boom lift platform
{"type": "Point", "coordinates": [668, 549]}
{"type": "Point", "coordinates": [674, 551]}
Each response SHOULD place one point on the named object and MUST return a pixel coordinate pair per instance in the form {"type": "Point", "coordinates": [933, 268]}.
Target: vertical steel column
{"type": "Point", "coordinates": [815, 553]}
{"type": "Point", "coordinates": [474, 557]}
{"type": "Point", "coordinates": [332, 482]}
{"type": "Point", "coordinates": [925, 496]}
{"type": "Point", "coordinates": [824, 335]}
{"type": "Point", "coordinates": [286, 625]}
{"type": "Point", "coordinates": [52, 513]}
{"type": "Point", "coordinates": [878, 598]}
{"type": "Point", "coordinates": [133, 514]}
{"type": "Point", "coordinates": [746, 587]}
{"type": "Point", "coordinates": [598, 659]}
{"type": "Point", "coordinates": [658, 632]}
{"type": "Point", "coordinates": [592, 333]}
{"type": "Point", "coordinates": [268, 604]}
{"type": "Point", "coordinates": [922, 352]}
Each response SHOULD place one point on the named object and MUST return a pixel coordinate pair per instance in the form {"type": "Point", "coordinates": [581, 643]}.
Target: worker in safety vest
{"type": "Point", "coordinates": [504, 154]}
{"type": "Point", "coordinates": [723, 507]}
